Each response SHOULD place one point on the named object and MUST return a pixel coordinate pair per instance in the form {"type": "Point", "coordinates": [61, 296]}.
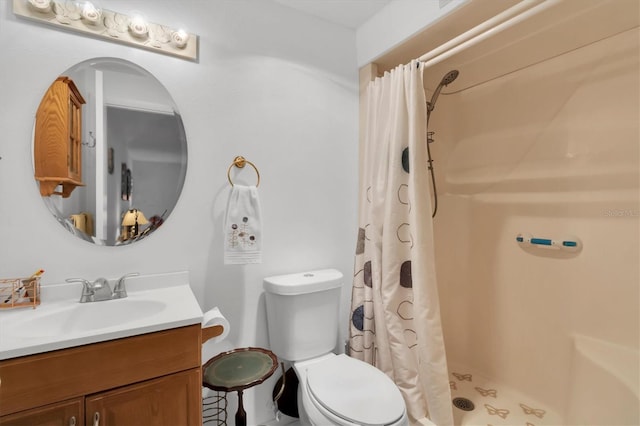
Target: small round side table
{"type": "Point", "coordinates": [237, 370]}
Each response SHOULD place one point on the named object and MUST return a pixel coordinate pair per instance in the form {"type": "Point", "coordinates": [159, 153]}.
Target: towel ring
{"type": "Point", "coordinates": [240, 162]}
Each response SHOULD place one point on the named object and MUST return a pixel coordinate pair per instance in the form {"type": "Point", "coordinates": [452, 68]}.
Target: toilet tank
{"type": "Point", "coordinates": [302, 313]}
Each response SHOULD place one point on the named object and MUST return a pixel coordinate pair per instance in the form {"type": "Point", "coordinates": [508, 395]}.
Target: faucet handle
{"type": "Point", "coordinates": [77, 280]}
{"type": "Point", "coordinates": [86, 284]}
{"type": "Point", "coordinates": [130, 274]}
{"type": "Point", "coordinates": [120, 291]}
{"type": "Point", "coordinates": [87, 289]}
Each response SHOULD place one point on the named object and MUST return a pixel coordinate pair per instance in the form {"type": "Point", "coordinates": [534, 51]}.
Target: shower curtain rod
{"type": "Point", "coordinates": [486, 29]}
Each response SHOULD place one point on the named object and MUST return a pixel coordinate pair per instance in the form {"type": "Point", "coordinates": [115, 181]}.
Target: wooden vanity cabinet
{"type": "Point", "coordinates": [58, 139]}
{"type": "Point", "coordinates": [153, 379]}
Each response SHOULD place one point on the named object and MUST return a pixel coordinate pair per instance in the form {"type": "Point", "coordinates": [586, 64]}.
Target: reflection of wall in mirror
{"type": "Point", "coordinates": [155, 157]}
{"type": "Point", "coordinates": [149, 93]}
{"type": "Point", "coordinates": [130, 90]}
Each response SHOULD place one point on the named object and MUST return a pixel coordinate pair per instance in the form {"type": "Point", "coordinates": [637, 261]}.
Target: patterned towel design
{"type": "Point", "coordinates": [243, 226]}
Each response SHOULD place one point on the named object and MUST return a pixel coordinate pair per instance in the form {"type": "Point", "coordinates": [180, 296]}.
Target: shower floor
{"type": "Point", "coordinates": [495, 404]}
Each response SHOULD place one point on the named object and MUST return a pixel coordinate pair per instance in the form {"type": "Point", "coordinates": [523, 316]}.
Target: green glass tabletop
{"type": "Point", "coordinates": [239, 369]}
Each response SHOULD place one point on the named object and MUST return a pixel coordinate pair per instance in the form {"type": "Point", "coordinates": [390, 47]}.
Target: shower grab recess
{"type": "Point", "coordinates": [571, 244]}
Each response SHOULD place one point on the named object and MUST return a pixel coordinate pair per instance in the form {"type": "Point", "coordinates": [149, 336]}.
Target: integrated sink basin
{"type": "Point", "coordinates": [85, 317]}
{"type": "Point", "coordinates": [154, 303]}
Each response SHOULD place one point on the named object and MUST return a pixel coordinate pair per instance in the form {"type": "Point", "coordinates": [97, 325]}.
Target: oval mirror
{"type": "Point", "coordinates": [110, 151]}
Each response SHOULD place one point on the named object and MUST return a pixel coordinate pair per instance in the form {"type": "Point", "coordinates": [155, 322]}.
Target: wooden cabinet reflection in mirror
{"type": "Point", "coordinates": [57, 147]}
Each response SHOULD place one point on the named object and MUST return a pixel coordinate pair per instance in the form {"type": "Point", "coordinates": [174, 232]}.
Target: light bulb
{"type": "Point", "coordinates": [180, 38]}
{"type": "Point", "coordinates": [42, 6]}
{"type": "Point", "coordinates": [90, 13]}
{"type": "Point", "coordinates": [138, 26]}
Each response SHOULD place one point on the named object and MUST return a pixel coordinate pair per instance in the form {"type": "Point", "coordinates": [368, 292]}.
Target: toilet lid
{"type": "Point", "coordinates": [355, 391]}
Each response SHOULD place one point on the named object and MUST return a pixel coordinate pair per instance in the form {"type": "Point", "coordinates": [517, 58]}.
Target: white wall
{"type": "Point", "coordinates": [271, 85]}
{"type": "Point", "coordinates": [397, 22]}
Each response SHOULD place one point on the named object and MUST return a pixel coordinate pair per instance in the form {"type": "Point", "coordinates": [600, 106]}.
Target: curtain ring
{"type": "Point", "coordinates": [240, 162]}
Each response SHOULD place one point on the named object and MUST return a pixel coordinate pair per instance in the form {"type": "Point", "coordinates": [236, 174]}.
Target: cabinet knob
{"type": "Point", "coordinates": [72, 421]}
{"type": "Point", "coordinates": [96, 419]}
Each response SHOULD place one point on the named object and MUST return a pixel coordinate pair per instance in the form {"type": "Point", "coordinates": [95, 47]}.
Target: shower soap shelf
{"type": "Point", "coordinates": [567, 244]}
{"type": "Point", "coordinates": [19, 292]}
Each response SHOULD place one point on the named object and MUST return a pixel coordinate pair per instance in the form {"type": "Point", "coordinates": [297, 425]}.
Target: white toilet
{"type": "Point", "coordinates": [302, 316]}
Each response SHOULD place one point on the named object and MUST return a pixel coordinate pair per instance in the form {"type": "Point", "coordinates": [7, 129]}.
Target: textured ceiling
{"type": "Point", "coordinates": [347, 13]}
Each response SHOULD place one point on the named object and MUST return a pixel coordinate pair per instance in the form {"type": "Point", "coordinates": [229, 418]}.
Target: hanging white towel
{"type": "Point", "coordinates": [243, 226]}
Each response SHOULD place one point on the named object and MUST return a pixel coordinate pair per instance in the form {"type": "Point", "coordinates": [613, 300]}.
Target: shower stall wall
{"type": "Point", "coordinates": [550, 151]}
{"type": "Point", "coordinates": [540, 137]}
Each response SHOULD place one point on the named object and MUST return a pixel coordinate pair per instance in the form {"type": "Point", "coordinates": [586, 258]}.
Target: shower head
{"type": "Point", "coordinates": [449, 77]}
{"type": "Point", "coordinates": [446, 80]}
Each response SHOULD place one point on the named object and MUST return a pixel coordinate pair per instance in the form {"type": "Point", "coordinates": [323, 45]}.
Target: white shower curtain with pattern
{"type": "Point", "coordinates": [395, 315]}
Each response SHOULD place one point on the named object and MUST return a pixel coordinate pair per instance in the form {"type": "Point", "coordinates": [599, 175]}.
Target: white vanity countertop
{"type": "Point", "coordinates": [154, 303]}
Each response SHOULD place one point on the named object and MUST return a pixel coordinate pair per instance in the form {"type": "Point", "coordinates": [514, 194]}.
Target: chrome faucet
{"type": "Point", "coordinates": [120, 291]}
{"type": "Point", "coordinates": [97, 291]}
{"type": "Point", "coordinates": [100, 290]}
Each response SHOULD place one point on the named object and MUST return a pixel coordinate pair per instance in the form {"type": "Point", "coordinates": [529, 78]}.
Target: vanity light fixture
{"type": "Point", "coordinates": [132, 29]}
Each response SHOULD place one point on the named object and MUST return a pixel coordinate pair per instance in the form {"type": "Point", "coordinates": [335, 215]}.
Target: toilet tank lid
{"type": "Point", "coordinates": [303, 282]}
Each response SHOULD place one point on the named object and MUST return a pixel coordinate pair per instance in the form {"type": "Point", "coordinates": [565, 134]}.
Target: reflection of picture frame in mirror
{"type": "Point", "coordinates": [125, 187]}
{"type": "Point", "coordinates": [110, 161]}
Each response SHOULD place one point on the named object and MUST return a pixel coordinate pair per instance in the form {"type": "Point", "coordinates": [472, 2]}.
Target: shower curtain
{"type": "Point", "coordinates": [395, 316]}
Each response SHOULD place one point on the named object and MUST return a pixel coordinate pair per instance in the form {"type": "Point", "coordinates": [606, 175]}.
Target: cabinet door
{"type": "Point", "coordinates": [75, 135]}
{"type": "Point", "coordinates": [66, 413]}
{"type": "Point", "coordinates": [170, 400]}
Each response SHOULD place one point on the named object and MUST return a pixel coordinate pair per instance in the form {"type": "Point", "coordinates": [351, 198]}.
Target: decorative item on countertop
{"type": "Point", "coordinates": [243, 222]}
{"type": "Point", "coordinates": [20, 292]}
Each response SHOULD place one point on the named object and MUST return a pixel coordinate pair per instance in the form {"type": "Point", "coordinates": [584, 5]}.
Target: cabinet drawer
{"type": "Point", "coordinates": [66, 413]}
{"type": "Point", "coordinates": [41, 379]}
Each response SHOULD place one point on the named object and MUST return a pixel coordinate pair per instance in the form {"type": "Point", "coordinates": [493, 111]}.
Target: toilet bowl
{"type": "Point", "coordinates": [302, 319]}
{"type": "Point", "coordinates": [340, 390]}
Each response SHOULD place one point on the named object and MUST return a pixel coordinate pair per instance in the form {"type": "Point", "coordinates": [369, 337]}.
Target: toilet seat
{"type": "Point", "coordinates": [349, 391]}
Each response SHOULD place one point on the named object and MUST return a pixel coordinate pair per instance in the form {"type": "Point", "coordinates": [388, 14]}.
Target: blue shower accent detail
{"type": "Point", "coordinates": [567, 243]}
{"type": "Point", "coordinates": [541, 241]}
